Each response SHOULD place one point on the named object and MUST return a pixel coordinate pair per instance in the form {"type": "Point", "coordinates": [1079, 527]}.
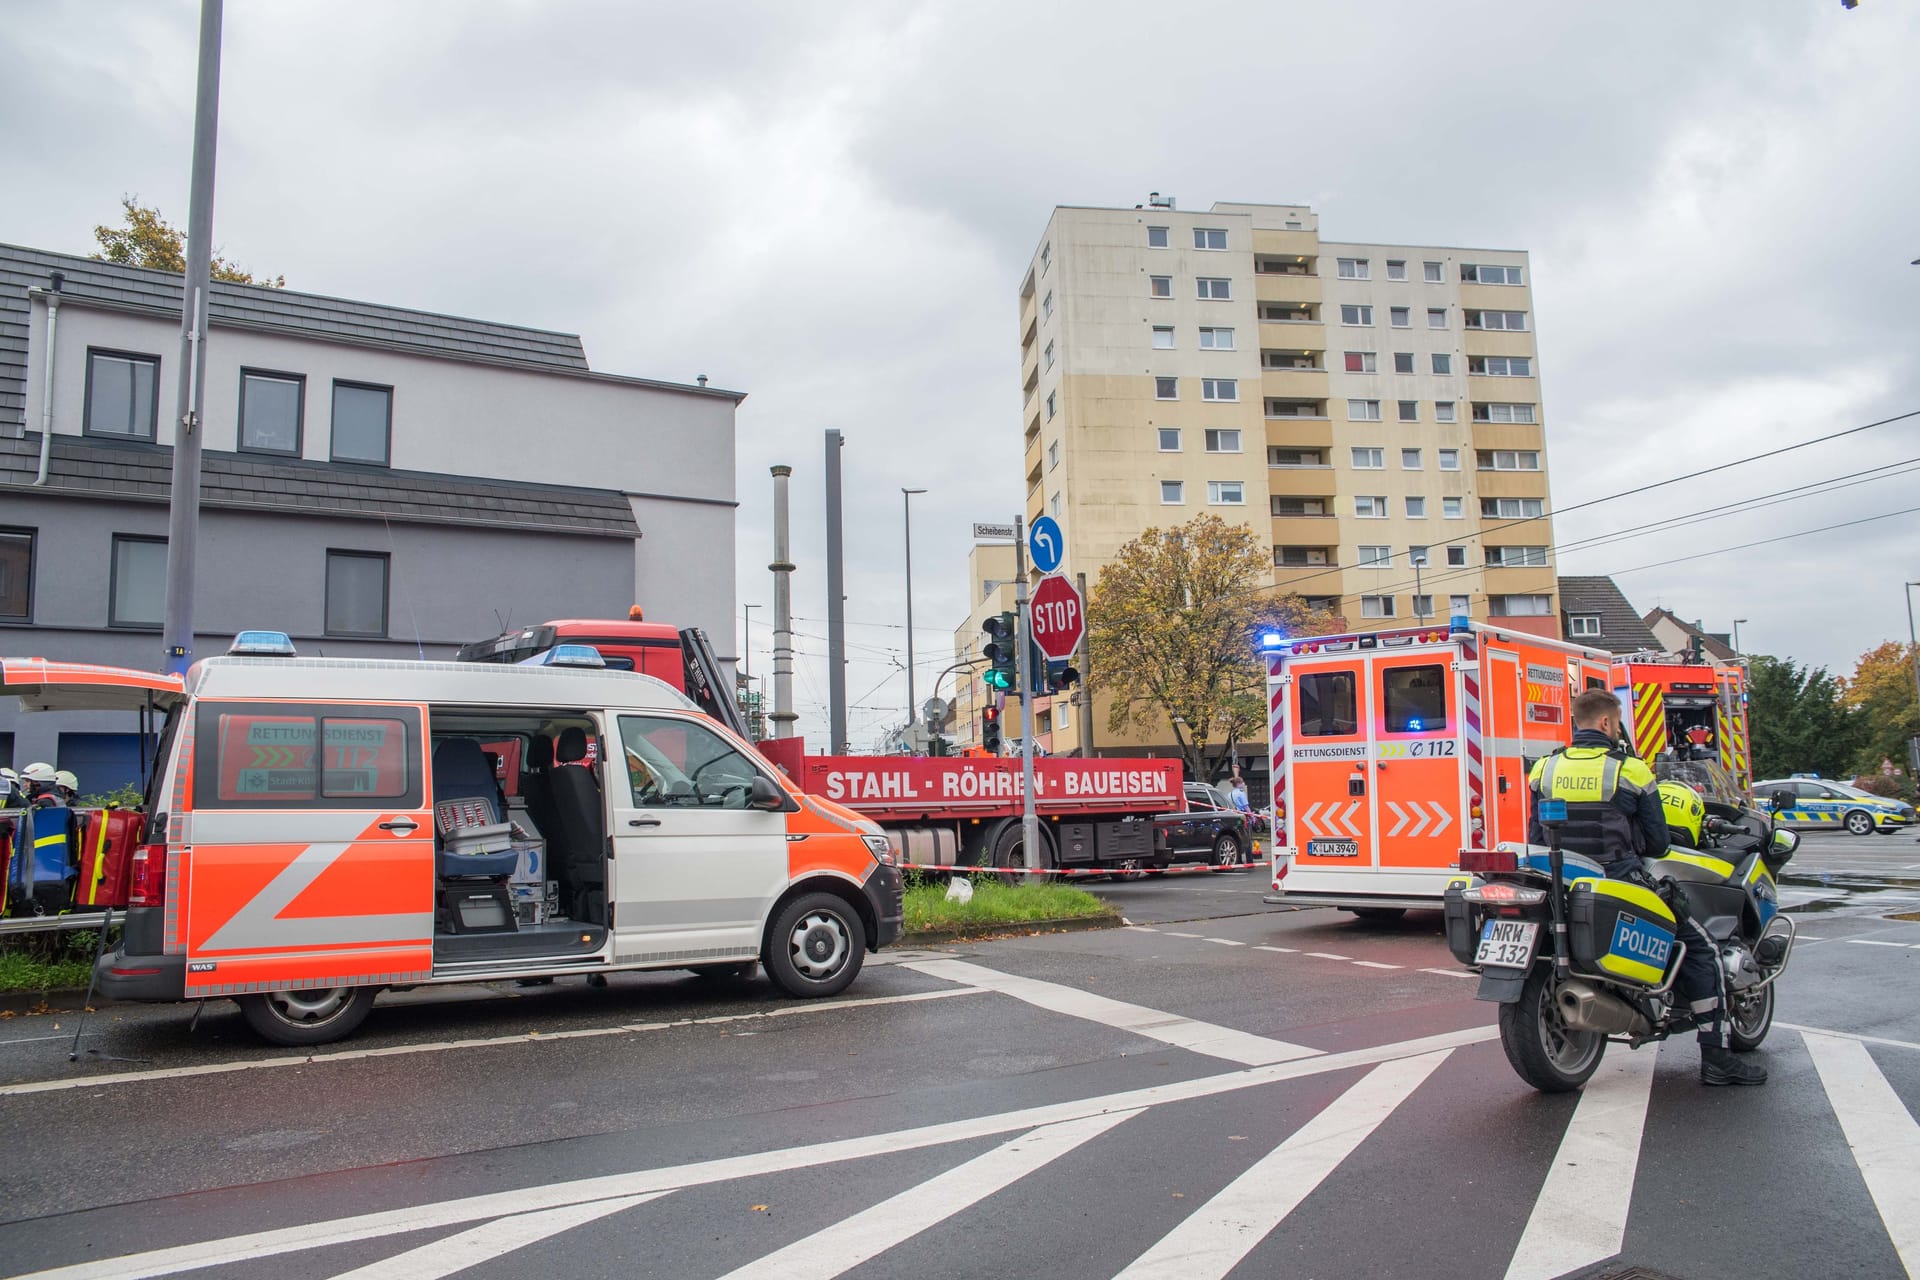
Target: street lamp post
{"type": "Point", "coordinates": [1736, 636]}
{"type": "Point", "coordinates": [1913, 647]}
{"type": "Point", "coordinates": [746, 639]}
{"type": "Point", "coordinates": [906, 516]}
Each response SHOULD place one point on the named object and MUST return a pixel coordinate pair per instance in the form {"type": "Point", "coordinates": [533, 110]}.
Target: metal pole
{"type": "Point", "coordinates": [1913, 646]}
{"type": "Point", "coordinates": [782, 566]}
{"type": "Point", "coordinates": [183, 510]}
{"type": "Point", "coordinates": [746, 639]}
{"type": "Point", "coordinates": [836, 606]}
{"type": "Point", "coordinates": [1023, 633]}
{"type": "Point", "coordinates": [1736, 636]}
{"type": "Point", "coordinates": [1083, 695]}
{"type": "Point", "coordinates": [906, 516]}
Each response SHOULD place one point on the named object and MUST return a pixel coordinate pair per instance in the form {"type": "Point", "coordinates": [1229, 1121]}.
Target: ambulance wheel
{"type": "Point", "coordinates": [1226, 852]}
{"type": "Point", "coordinates": [313, 1016]}
{"type": "Point", "coordinates": [1749, 1018]}
{"type": "Point", "coordinates": [815, 946]}
{"type": "Point", "coordinates": [1543, 1050]}
{"type": "Point", "coordinates": [1859, 822]}
{"type": "Point", "coordinates": [1379, 915]}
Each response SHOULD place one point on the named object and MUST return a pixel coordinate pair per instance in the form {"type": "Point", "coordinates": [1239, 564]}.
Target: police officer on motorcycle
{"type": "Point", "coordinates": [1614, 817]}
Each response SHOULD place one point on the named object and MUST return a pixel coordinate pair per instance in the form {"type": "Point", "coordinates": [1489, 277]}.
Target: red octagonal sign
{"type": "Point", "coordinates": [1058, 619]}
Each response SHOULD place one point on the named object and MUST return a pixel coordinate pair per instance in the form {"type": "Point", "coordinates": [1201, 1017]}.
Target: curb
{"type": "Point", "coordinates": [985, 930]}
{"type": "Point", "coordinates": [55, 1000]}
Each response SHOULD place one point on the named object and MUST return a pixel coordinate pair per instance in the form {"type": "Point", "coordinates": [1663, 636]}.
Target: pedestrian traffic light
{"type": "Point", "coordinates": [1061, 676]}
{"type": "Point", "coordinates": [990, 730]}
{"type": "Point", "coordinates": [999, 651]}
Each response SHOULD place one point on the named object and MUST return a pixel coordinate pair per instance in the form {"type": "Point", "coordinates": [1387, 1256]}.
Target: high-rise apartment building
{"type": "Point", "coordinates": [1373, 411]}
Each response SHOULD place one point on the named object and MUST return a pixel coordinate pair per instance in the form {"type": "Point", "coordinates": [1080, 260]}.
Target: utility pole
{"type": "Point", "coordinates": [1084, 695]}
{"type": "Point", "coordinates": [746, 639]}
{"type": "Point", "coordinates": [183, 508]}
{"type": "Point", "coordinates": [1023, 649]}
{"type": "Point", "coordinates": [906, 518]}
{"type": "Point", "coordinates": [782, 566]}
{"type": "Point", "coordinates": [836, 607]}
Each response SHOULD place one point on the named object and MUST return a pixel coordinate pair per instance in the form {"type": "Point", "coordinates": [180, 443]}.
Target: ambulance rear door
{"type": "Point", "coordinates": [1418, 789]}
{"type": "Point", "coordinates": [1330, 719]}
{"type": "Point", "coordinates": [1504, 745]}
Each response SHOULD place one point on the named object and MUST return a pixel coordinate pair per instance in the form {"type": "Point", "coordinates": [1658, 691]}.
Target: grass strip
{"type": "Point", "coordinates": [928, 907]}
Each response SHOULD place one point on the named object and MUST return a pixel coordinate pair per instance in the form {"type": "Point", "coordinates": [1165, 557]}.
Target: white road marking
{"type": "Point", "coordinates": [1882, 1133]}
{"type": "Point", "coordinates": [446, 1213]}
{"type": "Point", "coordinates": [1875, 942]}
{"type": "Point", "coordinates": [1223, 942]}
{"type": "Point", "coordinates": [1168, 1028]}
{"type": "Point", "coordinates": [1375, 964]}
{"type": "Point", "coordinates": [1223, 1231]}
{"type": "Point", "coordinates": [1174, 934]}
{"type": "Point", "coordinates": [1580, 1217]}
{"type": "Point", "coordinates": [1285, 951]}
{"type": "Point", "coordinates": [851, 1241]}
{"type": "Point", "coordinates": [264, 1063]}
{"type": "Point", "coordinates": [502, 1236]}
{"type": "Point", "coordinates": [1453, 973]}
{"type": "Point", "coordinates": [1327, 955]}
{"type": "Point", "coordinates": [33, 1039]}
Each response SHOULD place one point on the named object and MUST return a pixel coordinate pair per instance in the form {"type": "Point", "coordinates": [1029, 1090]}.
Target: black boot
{"type": "Point", "coordinates": [1722, 1066]}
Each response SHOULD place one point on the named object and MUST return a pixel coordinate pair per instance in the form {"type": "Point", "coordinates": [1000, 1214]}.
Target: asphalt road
{"type": "Point", "coordinates": [1220, 1089]}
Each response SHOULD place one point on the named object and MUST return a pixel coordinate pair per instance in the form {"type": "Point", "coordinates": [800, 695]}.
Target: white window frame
{"type": "Point", "coordinates": [1403, 362]}
{"type": "Point", "coordinates": [1163, 384]}
{"type": "Point", "coordinates": [1053, 455]}
{"type": "Point", "coordinates": [1375, 556]}
{"type": "Point", "coordinates": [1508, 321]}
{"type": "Point", "coordinates": [1160, 287]}
{"type": "Point", "coordinates": [1163, 331]}
{"type": "Point", "coordinates": [1161, 439]}
{"type": "Point", "coordinates": [1165, 234]}
{"type": "Point", "coordinates": [1214, 438]}
{"type": "Point", "coordinates": [1503, 557]}
{"type": "Point", "coordinates": [1178, 488]}
{"type": "Point", "coordinates": [1396, 269]}
{"type": "Point", "coordinates": [1053, 405]}
{"type": "Point", "coordinates": [1353, 268]}
{"type": "Point", "coordinates": [1442, 364]}
{"type": "Point", "coordinates": [1416, 507]}
{"type": "Point", "coordinates": [1400, 317]}
{"type": "Point", "coordinates": [1457, 604]}
{"type": "Point", "coordinates": [1453, 508]}
{"type": "Point", "coordinates": [1046, 306]}
{"type": "Point", "coordinates": [1363, 411]}
{"type": "Point", "coordinates": [1226, 493]}
{"type": "Point", "coordinates": [1048, 355]}
{"type": "Point", "coordinates": [1501, 606]}
{"type": "Point", "coordinates": [1369, 361]}
{"type": "Point", "coordinates": [1447, 455]}
{"type": "Point", "coordinates": [1519, 412]}
{"type": "Point", "coordinates": [1363, 315]}
{"type": "Point", "coordinates": [1408, 410]}
{"type": "Point", "coordinates": [1446, 411]}
{"type": "Point", "coordinates": [1362, 457]}
{"type": "Point", "coordinates": [1436, 317]}
{"type": "Point", "coordinates": [1420, 556]}
{"type": "Point", "coordinates": [1583, 626]}
{"type": "Point", "coordinates": [1377, 607]}
{"type": "Point", "coordinates": [1517, 459]}
{"type": "Point", "coordinates": [1213, 288]}
{"type": "Point", "coordinates": [1375, 508]}
{"type": "Point", "coordinates": [1203, 238]}
{"type": "Point", "coordinates": [1211, 388]}
{"type": "Point", "coordinates": [1456, 557]}
{"type": "Point", "coordinates": [1433, 273]}
{"type": "Point", "coordinates": [1418, 463]}
{"type": "Point", "coordinates": [1211, 338]}
{"type": "Point", "coordinates": [1420, 609]}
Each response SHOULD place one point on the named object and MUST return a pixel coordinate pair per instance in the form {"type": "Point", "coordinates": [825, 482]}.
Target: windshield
{"type": "Point", "coordinates": [1848, 789]}
{"type": "Point", "coordinates": [1707, 777]}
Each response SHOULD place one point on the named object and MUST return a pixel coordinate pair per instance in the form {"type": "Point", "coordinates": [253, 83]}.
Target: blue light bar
{"type": "Point", "coordinates": [262, 644]}
{"type": "Point", "coordinates": [1273, 640]}
{"type": "Point", "coordinates": [567, 655]}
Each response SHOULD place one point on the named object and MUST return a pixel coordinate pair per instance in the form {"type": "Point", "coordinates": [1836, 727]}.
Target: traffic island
{"type": "Point", "coordinates": [997, 909]}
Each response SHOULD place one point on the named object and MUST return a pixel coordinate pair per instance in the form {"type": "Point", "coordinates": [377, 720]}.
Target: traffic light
{"type": "Point", "coordinates": [1061, 676]}
{"type": "Point", "coordinates": [999, 651]}
{"type": "Point", "coordinates": [990, 730]}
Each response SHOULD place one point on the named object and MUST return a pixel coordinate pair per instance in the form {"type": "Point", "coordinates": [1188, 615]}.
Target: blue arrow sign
{"type": "Point", "coordinates": [1047, 544]}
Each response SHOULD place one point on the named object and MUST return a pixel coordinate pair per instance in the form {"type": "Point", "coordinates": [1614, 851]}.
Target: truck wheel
{"type": "Point", "coordinates": [815, 946]}
{"type": "Point", "coordinates": [1009, 850]}
{"type": "Point", "coordinates": [1859, 822]}
{"type": "Point", "coordinates": [307, 1017]}
{"type": "Point", "coordinates": [1226, 852]}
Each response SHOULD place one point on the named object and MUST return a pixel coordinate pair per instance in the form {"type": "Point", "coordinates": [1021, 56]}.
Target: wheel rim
{"type": "Point", "coordinates": [1226, 852]}
{"type": "Point", "coordinates": [1859, 823]}
{"type": "Point", "coordinates": [307, 1008]}
{"type": "Point", "coordinates": [1568, 1050]}
{"type": "Point", "coordinates": [1750, 1013]}
{"type": "Point", "coordinates": [820, 945]}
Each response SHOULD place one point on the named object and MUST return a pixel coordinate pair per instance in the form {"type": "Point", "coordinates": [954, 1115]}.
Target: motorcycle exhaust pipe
{"type": "Point", "coordinates": [1585, 1007]}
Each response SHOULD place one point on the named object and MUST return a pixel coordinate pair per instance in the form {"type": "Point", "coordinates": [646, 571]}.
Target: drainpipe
{"type": "Point", "coordinates": [46, 379]}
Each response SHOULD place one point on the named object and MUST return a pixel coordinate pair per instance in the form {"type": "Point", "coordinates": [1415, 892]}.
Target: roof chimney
{"type": "Point", "coordinates": [702, 379]}
{"type": "Point", "coordinates": [58, 279]}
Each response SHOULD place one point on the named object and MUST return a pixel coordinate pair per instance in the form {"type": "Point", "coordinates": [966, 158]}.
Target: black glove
{"type": "Point", "coordinates": [1676, 899]}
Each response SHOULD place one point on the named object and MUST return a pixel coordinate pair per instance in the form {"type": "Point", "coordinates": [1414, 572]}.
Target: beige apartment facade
{"type": "Point", "coordinates": [1372, 411]}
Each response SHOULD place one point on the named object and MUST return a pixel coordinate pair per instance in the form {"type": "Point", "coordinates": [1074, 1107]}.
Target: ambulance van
{"type": "Point", "coordinates": [318, 829]}
{"type": "Point", "coordinates": [1392, 751]}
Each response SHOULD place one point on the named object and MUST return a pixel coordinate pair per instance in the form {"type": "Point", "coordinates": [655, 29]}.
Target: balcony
{"type": "Point", "coordinates": [1286, 312]}
{"type": "Point", "coordinates": [1033, 455]}
{"type": "Point", "coordinates": [1281, 243]}
{"type": "Point", "coordinates": [1298, 386]}
{"type": "Point", "coordinates": [1318, 557]}
{"type": "Point", "coordinates": [1295, 289]}
{"type": "Point", "coordinates": [1306, 531]}
{"type": "Point", "coordinates": [1510, 484]}
{"type": "Point", "coordinates": [1294, 432]}
{"type": "Point", "coordinates": [1300, 482]}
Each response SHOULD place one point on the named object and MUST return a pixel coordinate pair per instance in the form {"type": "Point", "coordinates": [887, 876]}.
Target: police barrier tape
{"type": "Point", "coordinates": [1186, 869]}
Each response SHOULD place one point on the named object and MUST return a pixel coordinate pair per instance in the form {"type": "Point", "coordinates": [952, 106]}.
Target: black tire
{"type": "Point", "coordinates": [1749, 1018]}
{"type": "Point", "coordinates": [318, 1016]}
{"type": "Point", "coordinates": [1009, 850]}
{"type": "Point", "coordinates": [1227, 853]}
{"type": "Point", "coordinates": [1129, 870]}
{"type": "Point", "coordinates": [733, 969]}
{"type": "Point", "coordinates": [1379, 915]}
{"type": "Point", "coordinates": [1890, 831]}
{"type": "Point", "coordinates": [1542, 1049]}
{"type": "Point", "coordinates": [1859, 822]}
{"type": "Point", "coordinates": [815, 946]}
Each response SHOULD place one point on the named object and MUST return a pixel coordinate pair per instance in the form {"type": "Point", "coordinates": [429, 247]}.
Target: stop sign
{"type": "Point", "coordinates": [1058, 620]}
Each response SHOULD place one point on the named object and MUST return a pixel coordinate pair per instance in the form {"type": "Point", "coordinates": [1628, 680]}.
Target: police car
{"type": "Point", "coordinates": [1837, 806]}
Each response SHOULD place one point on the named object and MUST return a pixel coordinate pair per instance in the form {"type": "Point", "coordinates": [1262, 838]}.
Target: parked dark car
{"type": "Point", "coordinates": [1210, 830]}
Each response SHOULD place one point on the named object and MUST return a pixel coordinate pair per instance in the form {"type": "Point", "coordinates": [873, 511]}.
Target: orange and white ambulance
{"type": "Point", "coordinates": [318, 829]}
{"type": "Point", "coordinates": [1392, 751]}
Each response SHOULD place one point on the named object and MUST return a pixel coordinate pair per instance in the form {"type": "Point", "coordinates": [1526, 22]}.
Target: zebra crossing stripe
{"type": "Point", "coordinates": [1214, 1239]}
{"type": "Point", "coordinates": [1882, 1133]}
{"type": "Point", "coordinates": [490, 1240]}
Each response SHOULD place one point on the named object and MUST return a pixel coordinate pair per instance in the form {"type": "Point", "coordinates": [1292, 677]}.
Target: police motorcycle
{"type": "Point", "coordinates": [1577, 960]}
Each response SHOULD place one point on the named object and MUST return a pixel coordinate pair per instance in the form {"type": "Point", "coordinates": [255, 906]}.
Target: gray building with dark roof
{"type": "Point", "coordinates": [1593, 612]}
{"type": "Point", "coordinates": [376, 481]}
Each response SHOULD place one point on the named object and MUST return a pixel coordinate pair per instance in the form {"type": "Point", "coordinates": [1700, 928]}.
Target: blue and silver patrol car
{"type": "Point", "coordinates": [1834, 806]}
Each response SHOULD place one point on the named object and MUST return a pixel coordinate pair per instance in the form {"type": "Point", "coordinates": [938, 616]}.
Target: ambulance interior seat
{"type": "Point", "coordinates": [535, 780]}
{"type": "Point", "coordinates": [460, 772]}
{"type": "Point", "coordinates": [577, 840]}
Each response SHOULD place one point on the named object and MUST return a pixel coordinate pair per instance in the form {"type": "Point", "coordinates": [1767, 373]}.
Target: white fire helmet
{"type": "Point", "coordinates": [39, 772]}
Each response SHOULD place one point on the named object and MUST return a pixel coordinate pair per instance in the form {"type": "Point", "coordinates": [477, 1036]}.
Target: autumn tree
{"type": "Point", "coordinates": [1799, 722]}
{"type": "Point", "coordinates": [1174, 624]}
{"type": "Point", "coordinates": [1881, 694]}
{"type": "Point", "coordinates": [146, 239]}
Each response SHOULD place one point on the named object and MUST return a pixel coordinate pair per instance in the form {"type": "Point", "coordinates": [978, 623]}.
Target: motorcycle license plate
{"type": "Point", "coordinates": [1507, 943]}
{"type": "Point", "coordinates": [1333, 848]}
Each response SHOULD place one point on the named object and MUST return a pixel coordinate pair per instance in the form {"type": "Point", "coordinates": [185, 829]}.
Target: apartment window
{"type": "Point", "coordinates": [1288, 312]}
{"type": "Point", "coordinates": [1299, 557]}
{"type": "Point", "coordinates": [1376, 606]}
{"type": "Point", "coordinates": [1169, 439]}
{"type": "Point", "coordinates": [1430, 272]}
{"type": "Point", "coordinates": [1517, 557]}
{"type": "Point", "coordinates": [1489, 275]}
{"type": "Point", "coordinates": [1423, 607]}
{"type": "Point", "coordinates": [1512, 320]}
{"type": "Point", "coordinates": [1457, 605]}
{"type": "Point", "coordinates": [356, 593]}
{"type": "Point", "coordinates": [1288, 360]}
{"type": "Point", "coordinates": [1160, 286]}
{"type": "Point", "coordinates": [1444, 411]}
{"type": "Point", "coordinates": [1172, 493]}
{"type": "Point", "coordinates": [1409, 410]}
{"type": "Point", "coordinates": [1354, 315]}
{"type": "Point", "coordinates": [16, 574]}
{"type": "Point", "coordinates": [1436, 317]}
{"type": "Point", "coordinates": [123, 395]}
{"type": "Point", "coordinates": [1053, 455]}
{"type": "Point", "coordinates": [272, 409]}
{"type": "Point", "coordinates": [1449, 459]}
{"type": "Point", "coordinates": [1209, 238]}
{"type": "Point", "coordinates": [1456, 557]}
{"type": "Point", "coordinates": [1046, 306]}
{"type": "Point", "coordinates": [1362, 362]}
{"type": "Point", "coordinates": [1223, 440]}
{"type": "Point", "coordinates": [1409, 459]}
{"type": "Point", "coordinates": [1060, 717]}
{"type": "Point", "coordinates": [1053, 505]}
{"type": "Point", "coordinates": [1216, 339]}
{"type": "Point", "coordinates": [1049, 355]}
{"type": "Point", "coordinates": [1583, 626]}
{"type": "Point", "coordinates": [1163, 337]}
{"type": "Point", "coordinates": [1156, 237]}
{"type": "Point", "coordinates": [1396, 269]}
{"type": "Point", "coordinates": [1052, 404]}
{"type": "Point", "coordinates": [1166, 388]}
{"type": "Point", "coordinates": [1363, 410]}
{"type": "Point", "coordinates": [1278, 457]}
{"type": "Point", "coordinates": [1498, 412]}
{"type": "Point", "coordinates": [1417, 557]}
{"type": "Point", "coordinates": [362, 423]}
{"type": "Point", "coordinates": [1376, 557]}
{"type": "Point", "coordinates": [137, 588]}
{"type": "Point", "coordinates": [1501, 366]}
{"type": "Point", "coordinates": [1519, 606]}
{"type": "Point", "coordinates": [1369, 459]}
{"type": "Point", "coordinates": [1512, 508]}
{"type": "Point", "coordinates": [1278, 408]}
{"type": "Point", "coordinates": [1370, 507]}
{"type": "Point", "coordinates": [1227, 493]}
{"type": "Point", "coordinates": [1416, 508]}
{"type": "Point", "coordinates": [1450, 509]}
{"type": "Point", "coordinates": [1351, 268]}
{"type": "Point", "coordinates": [1507, 460]}
{"type": "Point", "coordinates": [1298, 506]}
{"type": "Point", "coordinates": [1403, 362]}
{"type": "Point", "coordinates": [1216, 288]}
{"type": "Point", "coordinates": [1442, 363]}
{"type": "Point", "coordinates": [1219, 389]}
{"type": "Point", "coordinates": [1046, 259]}
{"type": "Point", "coordinates": [1400, 317]}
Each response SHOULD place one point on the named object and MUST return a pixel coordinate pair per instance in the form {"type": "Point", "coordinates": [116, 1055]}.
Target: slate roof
{"type": "Point", "coordinates": [1713, 642]}
{"type": "Point", "coordinates": [1621, 630]}
{"type": "Point", "coordinates": [85, 468]}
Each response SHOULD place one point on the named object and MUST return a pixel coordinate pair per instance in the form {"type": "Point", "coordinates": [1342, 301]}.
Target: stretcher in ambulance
{"type": "Point", "coordinates": [1393, 751]}
{"type": "Point", "coordinates": [320, 829]}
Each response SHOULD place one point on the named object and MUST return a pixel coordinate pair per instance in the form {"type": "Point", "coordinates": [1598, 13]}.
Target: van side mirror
{"type": "Point", "coordinates": [764, 795]}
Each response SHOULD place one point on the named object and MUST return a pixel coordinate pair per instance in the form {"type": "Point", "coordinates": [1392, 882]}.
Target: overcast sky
{"type": "Point", "coordinates": [830, 206]}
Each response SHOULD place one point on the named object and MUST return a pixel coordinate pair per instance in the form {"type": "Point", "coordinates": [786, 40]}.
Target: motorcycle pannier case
{"type": "Point", "coordinates": [107, 841]}
{"type": "Point", "coordinates": [1462, 938]}
{"type": "Point", "coordinates": [1620, 930]}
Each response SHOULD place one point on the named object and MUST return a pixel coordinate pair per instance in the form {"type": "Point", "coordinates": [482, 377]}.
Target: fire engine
{"type": "Point", "coordinates": [1687, 711]}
